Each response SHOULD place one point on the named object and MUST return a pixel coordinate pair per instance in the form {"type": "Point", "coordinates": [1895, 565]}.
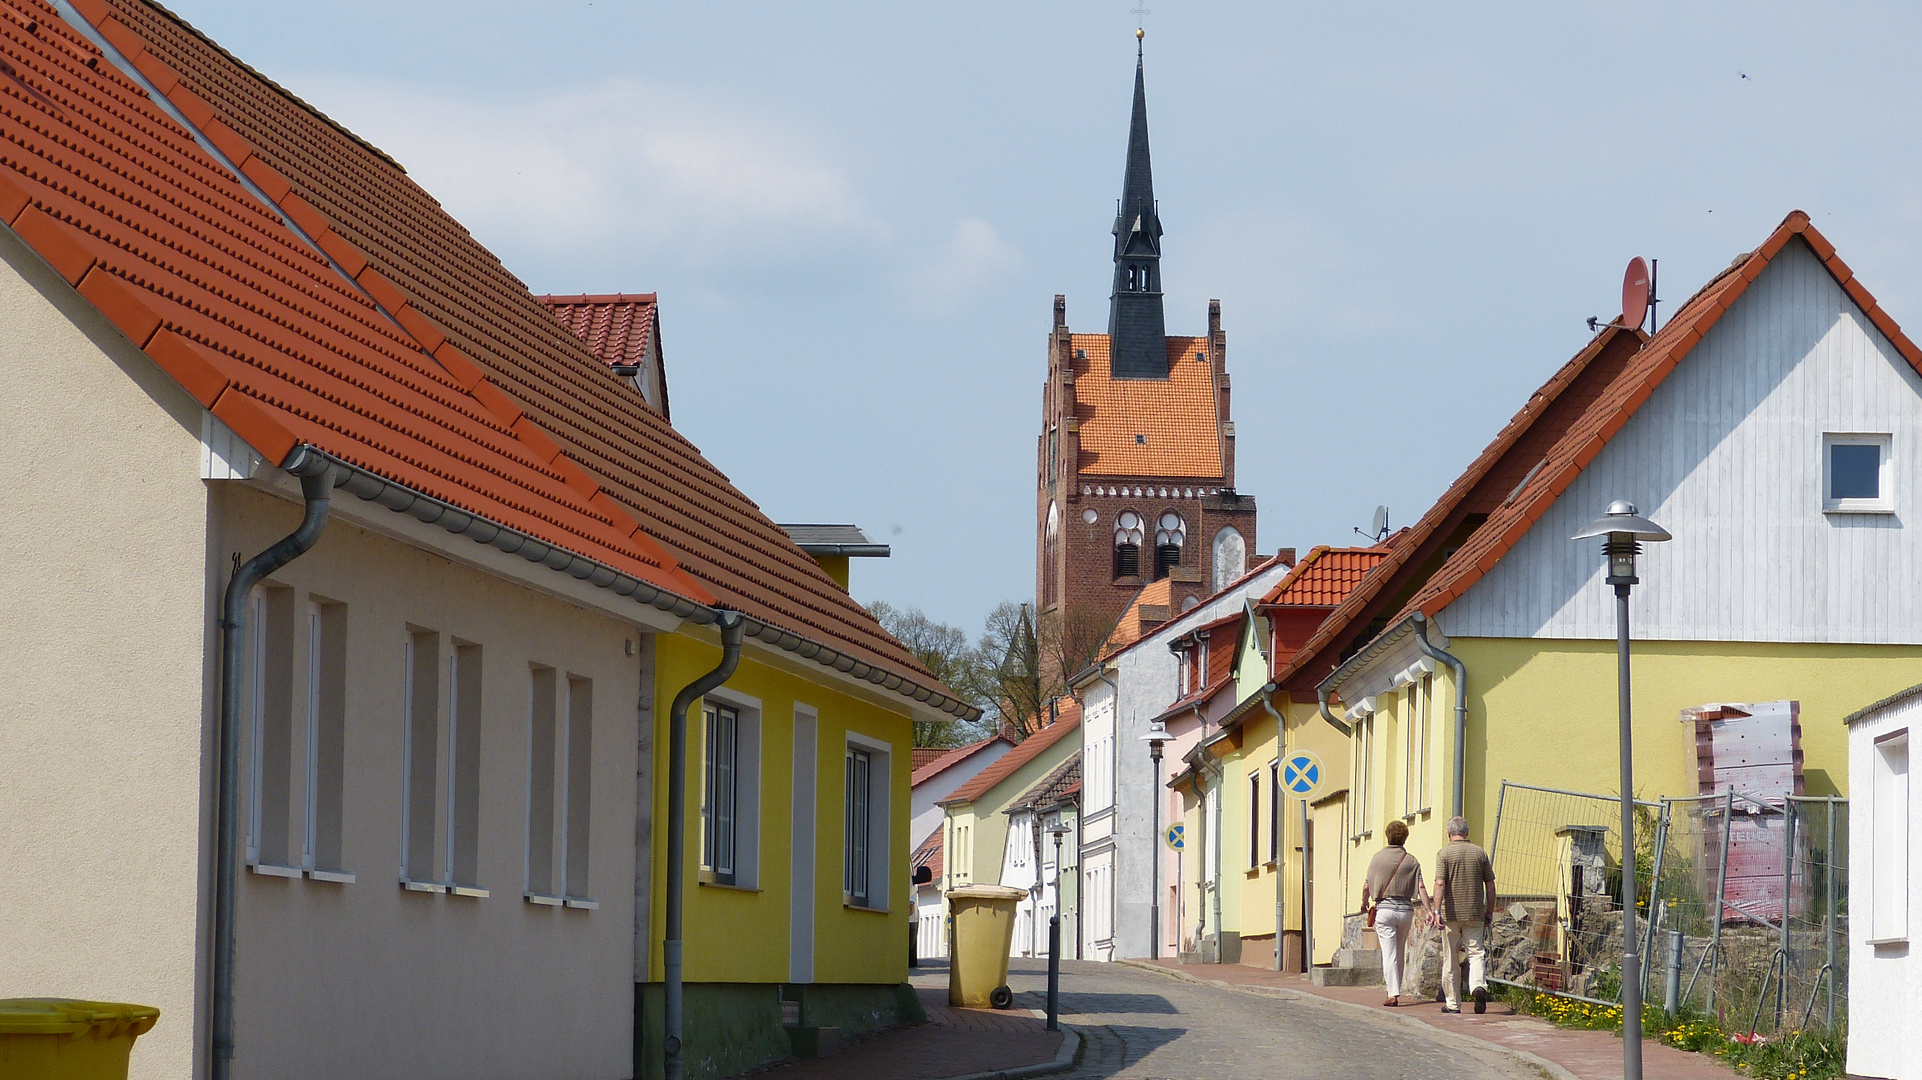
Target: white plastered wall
{"type": "Point", "coordinates": [1885, 979]}
{"type": "Point", "coordinates": [104, 680]}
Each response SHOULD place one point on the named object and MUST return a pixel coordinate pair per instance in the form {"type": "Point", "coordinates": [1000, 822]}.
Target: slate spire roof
{"type": "Point", "coordinates": [1136, 326]}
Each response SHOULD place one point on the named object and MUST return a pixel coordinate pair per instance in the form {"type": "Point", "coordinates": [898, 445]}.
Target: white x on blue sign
{"type": "Point", "coordinates": [1301, 774]}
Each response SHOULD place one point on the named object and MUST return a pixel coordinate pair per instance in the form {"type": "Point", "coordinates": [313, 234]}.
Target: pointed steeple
{"type": "Point", "coordinates": [1137, 332]}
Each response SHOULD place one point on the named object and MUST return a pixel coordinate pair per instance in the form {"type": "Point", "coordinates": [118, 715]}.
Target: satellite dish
{"type": "Point", "coordinates": [1635, 293]}
{"type": "Point", "coordinates": [1379, 527]}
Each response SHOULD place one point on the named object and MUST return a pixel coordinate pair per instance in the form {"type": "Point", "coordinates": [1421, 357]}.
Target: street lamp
{"type": "Point", "coordinates": [1156, 736]}
{"type": "Point", "coordinates": [1057, 830]}
{"type": "Point", "coordinates": [1626, 530]}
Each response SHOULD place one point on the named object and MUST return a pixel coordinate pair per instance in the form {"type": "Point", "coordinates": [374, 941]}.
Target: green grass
{"type": "Point", "coordinates": [1791, 1055]}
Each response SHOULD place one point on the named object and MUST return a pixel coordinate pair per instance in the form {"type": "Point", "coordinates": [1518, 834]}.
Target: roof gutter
{"type": "Point", "coordinates": [316, 488]}
{"type": "Point", "coordinates": [433, 511]}
{"type": "Point", "coordinates": [848, 551]}
{"type": "Point", "coordinates": [1461, 700]}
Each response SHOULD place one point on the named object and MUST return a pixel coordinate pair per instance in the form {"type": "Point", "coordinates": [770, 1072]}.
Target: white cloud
{"type": "Point", "coordinates": [596, 174]}
{"type": "Point", "coordinates": [973, 260]}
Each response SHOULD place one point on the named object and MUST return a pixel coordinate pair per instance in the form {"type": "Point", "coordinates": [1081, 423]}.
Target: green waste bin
{"type": "Point", "coordinates": [59, 1039]}
{"type": "Point", "coordinates": [983, 931]}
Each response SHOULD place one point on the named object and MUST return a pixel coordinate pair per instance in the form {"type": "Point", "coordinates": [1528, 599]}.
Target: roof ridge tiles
{"type": "Point", "coordinates": [497, 346]}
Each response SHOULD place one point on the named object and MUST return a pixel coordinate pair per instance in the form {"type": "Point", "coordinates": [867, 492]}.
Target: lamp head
{"type": "Point", "coordinates": [1156, 736]}
{"type": "Point", "coordinates": [1626, 530]}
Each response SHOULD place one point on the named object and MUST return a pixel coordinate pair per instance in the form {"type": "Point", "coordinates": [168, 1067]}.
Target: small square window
{"type": "Point", "coordinates": [1856, 473]}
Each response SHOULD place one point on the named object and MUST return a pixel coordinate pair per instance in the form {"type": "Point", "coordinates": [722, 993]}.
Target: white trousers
{"type": "Point", "coordinates": [1457, 938]}
{"type": "Point", "coordinates": [1394, 925]}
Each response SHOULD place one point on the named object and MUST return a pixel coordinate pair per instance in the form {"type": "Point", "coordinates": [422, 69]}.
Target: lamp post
{"type": "Point", "coordinates": [1057, 830]}
{"type": "Point", "coordinates": [1156, 736]}
{"type": "Point", "coordinates": [1626, 530]}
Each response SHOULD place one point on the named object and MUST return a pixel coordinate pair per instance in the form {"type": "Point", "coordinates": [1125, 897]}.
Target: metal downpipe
{"type": "Point", "coordinates": [1461, 702]}
{"type": "Point", "coordinates": [1321, 694]}
{"type": "Point", "coordinates": [732, 624]}
{"type": "Point", "coordinates": [316, 486]}
{"type": "Point", "coordinates": [1281, 849]}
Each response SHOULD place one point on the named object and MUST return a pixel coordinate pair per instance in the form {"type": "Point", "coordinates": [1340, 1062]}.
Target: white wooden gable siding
{"type": "Point", "coordinates": [1727, 455]}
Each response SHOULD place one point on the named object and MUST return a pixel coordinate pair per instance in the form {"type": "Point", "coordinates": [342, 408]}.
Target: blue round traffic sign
{"type": "Point", "coordinates": [1301, 774]}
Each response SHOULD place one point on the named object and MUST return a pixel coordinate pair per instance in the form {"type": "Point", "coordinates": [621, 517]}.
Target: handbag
{"type": "Point", "coordinates": [1391, 879]}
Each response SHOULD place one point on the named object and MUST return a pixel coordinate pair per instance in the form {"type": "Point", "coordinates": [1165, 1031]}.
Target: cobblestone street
{"type": "Point", "coordinates": [1145, 1026]}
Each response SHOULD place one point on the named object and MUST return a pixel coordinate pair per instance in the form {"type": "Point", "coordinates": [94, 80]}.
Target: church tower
{"type": "Point", "coordinates": [1135, 464]}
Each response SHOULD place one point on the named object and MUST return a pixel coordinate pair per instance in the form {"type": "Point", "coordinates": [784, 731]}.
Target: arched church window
{"type": "Point", "coordinates": [1170, 533]}
{"type": "Point", "coordinates": [1129, 531]}
{"type": "Point", "coordinates": [1231, 557]}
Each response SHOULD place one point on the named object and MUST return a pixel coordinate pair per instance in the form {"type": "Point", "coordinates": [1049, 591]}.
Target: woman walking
{"type": "Point", "coordinates": [1394, 881]}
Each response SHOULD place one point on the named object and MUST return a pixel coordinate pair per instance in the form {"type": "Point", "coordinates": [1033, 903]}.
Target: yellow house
{"type": "Point", "coordinates": [421, 589]}
{"type": "Point", "coordinates": [1772, 427]}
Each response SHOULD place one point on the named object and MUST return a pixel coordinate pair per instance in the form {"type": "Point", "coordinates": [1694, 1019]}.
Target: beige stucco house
{"type": "Point", "coordinates": [350, 599]}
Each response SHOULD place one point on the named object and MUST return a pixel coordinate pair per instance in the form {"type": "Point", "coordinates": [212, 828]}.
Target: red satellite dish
{"type": "Point", "coordinates": [1635, 293]}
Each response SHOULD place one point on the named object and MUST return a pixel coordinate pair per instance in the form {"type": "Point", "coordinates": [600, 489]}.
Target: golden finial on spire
{"type": "Point", "coordinates": [1140, 33]}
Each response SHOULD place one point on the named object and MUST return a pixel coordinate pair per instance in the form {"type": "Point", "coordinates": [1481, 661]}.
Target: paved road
{"type": "Point", "coordinates": [1142, 1025]}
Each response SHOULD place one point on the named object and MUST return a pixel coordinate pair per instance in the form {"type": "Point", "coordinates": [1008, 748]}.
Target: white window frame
{"type": "Point", "coordinates": [747, 791]}
{"type": "Point", "coordinates": [1884, 502]}
{"type": "Point", "coordinates": [879, 824]}
{"type": "Point", "coordinates": [1889, 795]}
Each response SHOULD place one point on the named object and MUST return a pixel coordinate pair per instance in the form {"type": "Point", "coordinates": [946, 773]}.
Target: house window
{"type": "Point", "coordinates": [730, 792]}
{"type": "Point", "coordinates": [1421, 697]}
{"type": "Point", "coordinates": [864, 835]}
{"type": "Point", "coordinates": [1128, 534]}
{"type": "Point", "coordinates": [718, 808]}
{"type": "Point", "coordinates": [326, 739]}
{"type": "Point", "coordinates": [1254, 820]}
{"type": "Point", "coordinates": [1889, 792]}
{"type": "Point", "coordinates": [1274, 811]}
{"type": "Point", "coordinates": [560, 752]}
{"type": "Point", "coordinates": [462, 865]}
{"type": "Point", "coordinates": [1857, 473]}
{"type": "Point", "coordinates": [269, 845]}
{"type": "Point", "coordinates": [420, 761]}
{"type": "Point", "coordinates": [1364, 774]}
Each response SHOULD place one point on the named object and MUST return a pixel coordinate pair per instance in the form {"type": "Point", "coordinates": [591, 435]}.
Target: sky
{"type": "Point", "coordinates": [857, 215]}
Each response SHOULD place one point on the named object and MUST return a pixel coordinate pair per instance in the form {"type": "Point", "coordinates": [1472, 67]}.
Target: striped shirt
{"type": "Point", "coordinates": [1462, 873]}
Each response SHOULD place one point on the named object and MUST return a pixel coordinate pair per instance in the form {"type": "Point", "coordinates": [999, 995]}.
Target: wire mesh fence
{"type": "Point", "coordinates": [1741, 905]}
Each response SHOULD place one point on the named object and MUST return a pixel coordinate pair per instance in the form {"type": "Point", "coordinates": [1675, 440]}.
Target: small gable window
{"type": "Point", "coordinates": [1856, 473]}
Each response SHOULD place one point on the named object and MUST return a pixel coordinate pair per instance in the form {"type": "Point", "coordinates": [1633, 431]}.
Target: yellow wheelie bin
{"type": "Point", "coordinates": [983, 931]}
{"type": "Point", "coordinates": [59, 1039]}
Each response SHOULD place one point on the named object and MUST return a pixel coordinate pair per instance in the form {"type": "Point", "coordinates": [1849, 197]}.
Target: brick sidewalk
{"type": "Point", "coordinates": [954, 1042]}
{"type": "Point", "coordinates": [1584, 1055]}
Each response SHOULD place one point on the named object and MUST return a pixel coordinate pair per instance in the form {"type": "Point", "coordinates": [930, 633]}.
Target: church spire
{"type": "Point", "coordinates": [1137, 332]}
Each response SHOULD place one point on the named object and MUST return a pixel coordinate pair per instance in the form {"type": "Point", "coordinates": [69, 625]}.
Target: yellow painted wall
{"type": "Point", "coordinates": [1306, 730]}
{"type": "Point", "coordinates": [1544, 713]}
{"type": "Point", "coordinates": [988, 826]}
{"type": "Point", "coordinates": [742, 935]}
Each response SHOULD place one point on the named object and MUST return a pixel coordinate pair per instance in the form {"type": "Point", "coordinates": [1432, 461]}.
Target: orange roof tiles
{"type": "Point", "coordinates": [1326, 576]}
{"type": "Point", "coordinates": [1129, 629]}
{"type": "Point", "coordinates": [1030, 748]}
{"type": "Point", "coordinates": [254, 323]}
{"type": "Point", "coordinates": [514, 418]}
{"type": "Point", "coordinates": [1148, 427]}
{"type": "Point", "coordinates": [942, 759]}
{"type": "Point", "coordinates": [930, 854]}
{"type": "Point", "coordinates": [616, 327]}
{"type": "Point", "coordinates": [1611, 409]}
{"type": "Point", "coordinates": [1535, 457]}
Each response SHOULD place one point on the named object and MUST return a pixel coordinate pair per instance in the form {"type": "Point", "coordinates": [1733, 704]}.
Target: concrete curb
{"type": "Point", "coordinates": [1064, 1059]}
{"type": "Point", "coordinates": [1554, 1070]}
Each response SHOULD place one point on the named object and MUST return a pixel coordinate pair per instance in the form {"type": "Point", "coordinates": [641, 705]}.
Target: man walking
{"type": "Point", "coordinates": [1465, 893]}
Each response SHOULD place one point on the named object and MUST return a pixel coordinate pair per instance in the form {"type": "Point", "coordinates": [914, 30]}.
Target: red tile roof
{"type": "Point", "coordinates": [930, 854]}
{"type": "Point", "coordinates": [1327, 575]}
{"type": "Point", "coordinates": [1030, 748]}
{"type": "Point", "coordinates": [1637, 382]}
{"type": "Point", "coordinates": [1545, 446]}
{"type": "Point", "coordinates": [616, 326]}
{"type": "Point", "coordinates": [1129, 629]}
{"type": "Point", "coordinates": [619, 328]}
{"type": "Point", "coordinates": [254, 323]}
{"type": "Point", "coordinates": [1148, 427]}
{"type": "Point", "coordinates": [924, 754]}
{"type": "Point", "coordinates": [945, 759]}
{"type": "Point", "coordinates": [1060, 786]}
{"type": "Point", "coordinates": [512, 418]}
